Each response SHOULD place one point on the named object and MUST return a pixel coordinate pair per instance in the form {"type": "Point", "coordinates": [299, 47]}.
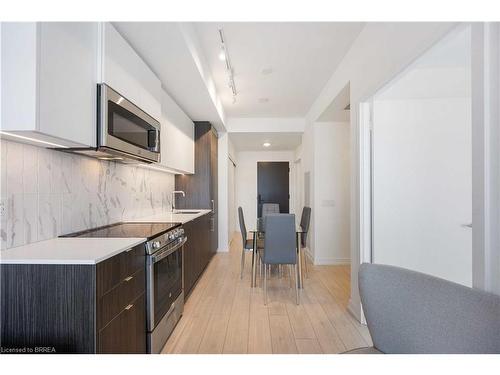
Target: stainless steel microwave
{"type": "Point", "coordinates": [125, 133]}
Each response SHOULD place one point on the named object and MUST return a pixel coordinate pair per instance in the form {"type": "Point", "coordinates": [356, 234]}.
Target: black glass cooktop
{"type": "Point", "coordinates": [126, 230]}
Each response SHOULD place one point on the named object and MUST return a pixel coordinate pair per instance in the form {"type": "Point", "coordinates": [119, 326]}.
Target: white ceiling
{"type": "Point", "coordinates": [254, 141]}
{"type": "Point", "coordinates": [302, 57]}
{"type": "Point", "coordinates": [164, 48]}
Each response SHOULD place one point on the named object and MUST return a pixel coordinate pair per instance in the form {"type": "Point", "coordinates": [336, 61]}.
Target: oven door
{"type": "Point", "coordinates": [126, 128]}
{"type": "Point", "coordinates": [165, 281]}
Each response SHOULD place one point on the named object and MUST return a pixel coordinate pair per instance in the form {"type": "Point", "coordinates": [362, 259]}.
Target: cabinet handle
{"type": "Point", "coordinates": [129, 278]}
{"type": "Point", "coordinates": [213, 206]}
{"type": "Point", "coordinates": [129, 307]}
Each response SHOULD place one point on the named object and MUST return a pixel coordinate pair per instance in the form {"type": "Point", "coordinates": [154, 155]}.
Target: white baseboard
{"type": "Point", "coordinates": [331, 261]}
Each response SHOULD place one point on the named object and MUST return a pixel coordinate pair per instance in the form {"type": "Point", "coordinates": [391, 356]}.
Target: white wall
{"type": "Point", "coordinates": [246, 181]}
{"type": "Point", "coordinates": [380, 52]}
{"type": "Point", "coordinates": [223, 204]}
{"type": "Point", "coordinates": [231, 187]}
{"type": "Point", "coordinates": [331, 207]}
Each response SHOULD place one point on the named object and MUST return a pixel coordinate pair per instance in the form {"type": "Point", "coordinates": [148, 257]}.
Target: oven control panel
{"type": "Point", "coordinates": [159, 242]}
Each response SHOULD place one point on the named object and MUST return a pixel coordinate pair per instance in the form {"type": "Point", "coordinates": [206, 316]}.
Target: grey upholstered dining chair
{"type": "Point", "coordinates": [305, 221]}
{"type": "Point", "coordinates": [411, 312]}
{"type": "Point", "coordinates": [270, 208]}
{"type": "Point", "coordinates": [279, 246]}
{"type": "Point", "coordinates": [247, 242]}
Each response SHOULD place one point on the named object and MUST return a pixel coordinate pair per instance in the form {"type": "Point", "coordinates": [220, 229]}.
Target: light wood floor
{"type": "Point", "coordinates": [224, 314]}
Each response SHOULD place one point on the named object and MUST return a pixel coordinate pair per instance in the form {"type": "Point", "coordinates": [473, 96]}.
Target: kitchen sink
{"type": "Point", "coordinates": [186, 212]}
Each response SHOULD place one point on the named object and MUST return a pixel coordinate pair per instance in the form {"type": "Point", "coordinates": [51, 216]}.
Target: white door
{"type": "Point", "coordinates": [422, 164]}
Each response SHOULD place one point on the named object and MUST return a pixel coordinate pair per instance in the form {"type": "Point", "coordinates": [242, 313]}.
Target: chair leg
{"type": "Point", "coordinates": [297, 283]}
{"type": "Point", "coordinates": [242, 262]}
{"type": "Point", "coordinates": [260, 267]}
{"type": "Point", "coordinates": [290, 275]}
{"type": "Point", "coordinates": [265, 284]}
{"type": "Point", "coordinates": [305, 261]}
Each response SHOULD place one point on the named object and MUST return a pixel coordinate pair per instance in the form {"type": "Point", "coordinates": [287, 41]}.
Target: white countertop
{"type": "Point", "coordinates": [77, 250]}
{"type": "Point", "coordinates": [172, 217]}
{"type": "Point", "coordinates": [71, 250]}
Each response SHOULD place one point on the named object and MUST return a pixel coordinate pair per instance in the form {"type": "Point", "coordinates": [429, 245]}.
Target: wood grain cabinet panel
{"type": "Point", "coordinates": [115, 300]}
{"type": "Point", "coordinates": [197, 250]}
{"type": "Point", "coordinates": [201, 190]}
{"type": "Point", "coordinates": [126, 333]}
{"type": "Point", "coordinates": [46, 305]}
{"type": "Point", "coordinates": [76, 308]}
{"type": "Point", "coordinates": [113, 271]}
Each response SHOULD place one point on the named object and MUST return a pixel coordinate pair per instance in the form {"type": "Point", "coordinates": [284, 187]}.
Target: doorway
{"type": "Point", "coordinates": [420, 164]}
{"type": "Point", "coordinates": [273, 185]}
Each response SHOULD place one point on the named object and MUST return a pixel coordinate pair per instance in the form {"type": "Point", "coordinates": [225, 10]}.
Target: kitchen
{"type": "Point", "coordinates": [221, 187]}
{"type": "Point", "coordinates": [119, 205]}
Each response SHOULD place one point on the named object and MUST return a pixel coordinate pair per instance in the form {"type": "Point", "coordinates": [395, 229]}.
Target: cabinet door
{"type": "Point", "coordinates": [126, 334]}
{"type": "Point", "coordinates": [204, 248]}
{"type": "Point", "coordinates": [189, 258]}
{"type": "Point", "coordinates": [128, 74]}
{"type": "Point", "coordinates": [214, 234]}
{"type": "Point", "coordinates": [67, 80]}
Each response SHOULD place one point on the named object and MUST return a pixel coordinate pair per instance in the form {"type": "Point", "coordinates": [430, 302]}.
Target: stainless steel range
{"type": "Point", "coordinates": [164, 273]}
{"type": "Point", "coordinates": [164, 286]}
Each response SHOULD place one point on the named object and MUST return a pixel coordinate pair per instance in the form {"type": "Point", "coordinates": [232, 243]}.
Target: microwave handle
{"type": "Point", "coordinates": [154, 144]}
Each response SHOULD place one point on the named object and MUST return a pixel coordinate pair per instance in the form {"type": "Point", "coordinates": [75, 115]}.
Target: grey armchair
{"type": "Point", "coordinates": [410, 312]}
{"type": "Point", "coordinates": [280, 246]}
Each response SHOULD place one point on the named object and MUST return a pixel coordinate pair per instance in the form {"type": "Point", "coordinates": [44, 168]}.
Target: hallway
{"type": "Point", "coordinates": [224, 315]}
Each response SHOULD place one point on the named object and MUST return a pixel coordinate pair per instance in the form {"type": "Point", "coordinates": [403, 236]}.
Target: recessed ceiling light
{"type": "Point", "coordinates": [263, 100]}
{"type": "Point", "coordinates": [222, 55]}
{"type": "Point", "coordinates": [266, 71]}
{"type": "Point", "coordinates": [266, 144]}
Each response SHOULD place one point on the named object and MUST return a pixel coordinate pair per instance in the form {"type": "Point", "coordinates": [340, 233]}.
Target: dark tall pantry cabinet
{"type": "Point", "coordinates": [201, 192]}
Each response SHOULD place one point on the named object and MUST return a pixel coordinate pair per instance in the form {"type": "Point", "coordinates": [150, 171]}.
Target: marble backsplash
{"type": "Point", "coordinates": [46, 193]}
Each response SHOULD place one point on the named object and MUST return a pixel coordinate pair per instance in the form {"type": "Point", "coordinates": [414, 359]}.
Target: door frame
{"type": "Point", "coordinates": [485, 80]}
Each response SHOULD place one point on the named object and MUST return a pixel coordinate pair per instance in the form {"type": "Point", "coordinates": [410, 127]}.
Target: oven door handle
{"type": "Point", "coordinates": [157, 257]}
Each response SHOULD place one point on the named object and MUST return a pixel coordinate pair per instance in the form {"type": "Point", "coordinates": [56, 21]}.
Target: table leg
{"type": "Point", "coordinates": [299, 260]}
{"type": "Point", "coordinates": [254, 260]}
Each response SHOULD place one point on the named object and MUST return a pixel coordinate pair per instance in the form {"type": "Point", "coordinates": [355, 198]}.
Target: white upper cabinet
{"type": "Point", "coordinates": [177, 137]}
{"type": "Point", "coordinates": [124, 71]}
{"type": "Point", "coordinates": [49, 78]}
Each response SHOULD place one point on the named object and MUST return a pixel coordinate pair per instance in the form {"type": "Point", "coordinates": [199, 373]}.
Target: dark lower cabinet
{"type": "Point", "coordinates": [126, 333]}
{"type": "Point", "coordinates": [198, 249]}
{"type": "Point", "coordinates": [75, 308]}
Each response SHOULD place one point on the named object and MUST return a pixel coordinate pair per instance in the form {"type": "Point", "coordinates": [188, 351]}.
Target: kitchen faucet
{"type": "Point", "coordinates": [173, 197]}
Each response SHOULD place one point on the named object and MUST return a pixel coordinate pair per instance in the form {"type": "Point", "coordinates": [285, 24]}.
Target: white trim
{"type": "Point", "coordinates": [365, 176]}
{"type": "Point", "coordinates": [485, 156]}
{"type": "Point", "coordinates": [358, 314]}
{"type": "Point", "coordinates": [331, 261]}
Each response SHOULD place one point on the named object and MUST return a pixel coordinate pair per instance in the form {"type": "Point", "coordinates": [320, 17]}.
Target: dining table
{"type": "Point", "coordinates": [259, 233]}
